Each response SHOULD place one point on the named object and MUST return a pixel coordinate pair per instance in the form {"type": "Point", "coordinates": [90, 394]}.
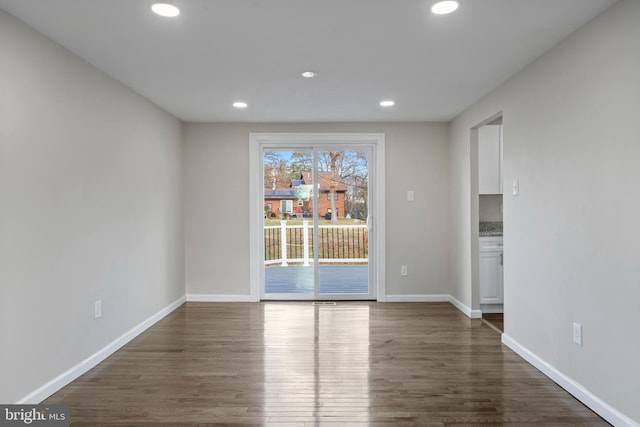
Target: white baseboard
{"type": "Point", "coordinates": [416, 298]}
{"type": "Point", "coordinates": [65, 378]}
{"type": "Point", "coordinates": [596, 404]}
{"type": "Point", "coordinates": [473, 314]}
{"type": "Point", "coordinates": [219, 298]}
{"type": "Point", "coordinates": [492, 308]}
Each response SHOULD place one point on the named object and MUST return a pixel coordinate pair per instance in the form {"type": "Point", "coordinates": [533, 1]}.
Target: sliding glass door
{"type": "Point", "coordinates": [316, 232]}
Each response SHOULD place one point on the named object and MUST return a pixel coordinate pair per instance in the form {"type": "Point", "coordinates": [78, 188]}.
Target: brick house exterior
{"type": "Point", "coordinates": [285, 200]}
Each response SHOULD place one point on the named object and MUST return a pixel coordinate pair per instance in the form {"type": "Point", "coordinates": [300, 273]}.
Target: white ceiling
{"type": "Point", "coordinates": [220, 51]}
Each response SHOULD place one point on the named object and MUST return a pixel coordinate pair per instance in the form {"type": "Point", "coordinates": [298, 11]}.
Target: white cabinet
{"type": "Point", "coordinates": [491, 270]}
{"type": "Point", "coordinates": [490, 159]}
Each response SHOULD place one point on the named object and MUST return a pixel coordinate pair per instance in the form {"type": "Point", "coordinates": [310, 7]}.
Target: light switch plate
{"type": "Point", "coordinates": [97, 309]}
{"type": "Point", "coordinates": [577, 334]}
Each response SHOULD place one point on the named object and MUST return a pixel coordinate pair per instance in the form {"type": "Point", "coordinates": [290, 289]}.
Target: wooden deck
{"type": "Point", "coordinates": [294, 364]}
{"type": "Point", "coordinates": [333, 279]}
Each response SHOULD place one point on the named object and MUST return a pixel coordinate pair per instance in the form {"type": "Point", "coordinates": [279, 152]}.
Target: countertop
{"type": "Point", "coordinates": [490, 228]}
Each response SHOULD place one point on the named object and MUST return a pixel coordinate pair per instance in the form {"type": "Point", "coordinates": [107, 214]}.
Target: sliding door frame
{"type": "Point", "coordinates": [373, 141]}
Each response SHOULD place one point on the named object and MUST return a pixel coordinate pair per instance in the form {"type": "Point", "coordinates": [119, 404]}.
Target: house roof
{"type": "Point", "coordinates": [327, 181]}
{"type": "Point", "coordinates": [280, 194]}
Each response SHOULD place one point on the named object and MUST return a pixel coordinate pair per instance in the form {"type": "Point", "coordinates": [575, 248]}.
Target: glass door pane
{"type": "Point", "coordinates": [288, 224]}
{"type": "Point", "coordinates": [343, 233]}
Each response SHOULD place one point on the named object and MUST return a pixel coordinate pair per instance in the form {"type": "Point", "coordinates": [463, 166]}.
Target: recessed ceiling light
{"type": "Point", "coordinates": [240, 104]}
{"type": "Point", "coordinates": [444, 7]}
{"type": "Point", "coordinates": [165, 9]}
{"type": "Point", "coordinates": [387, 103]}
{"type": "Point", "coordinates": [309, 74]}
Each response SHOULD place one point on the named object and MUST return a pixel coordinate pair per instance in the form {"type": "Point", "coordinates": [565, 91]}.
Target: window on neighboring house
{"type": "Point", "coordinates": [269, 207]}
{"type": "Point", "coordinates": [286, 206]}
{"type": "Point", "coordinates": [335, 196]}
{"type": "Point", "coordinates": [300, 202]}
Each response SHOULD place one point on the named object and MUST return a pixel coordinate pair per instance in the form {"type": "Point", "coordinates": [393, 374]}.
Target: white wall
{"type": "Point", "coordinates": [572, 237]}
{"type": "Point", "coordinates": [216, 165]}
{"type": "Point", "coordinates": [90, 208]}
{"type": "Point", "coordinates": [489, 207]}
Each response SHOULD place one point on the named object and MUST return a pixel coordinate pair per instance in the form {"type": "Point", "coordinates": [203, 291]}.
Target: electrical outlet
{"type": "Point", "coordinates": [410, 196]}
{"type": "Point", "coordinates": [577, 334]}
{"type": "Point", "coordinates": [404, 270]}
{"type": "Point", "coordinates": [97, 309]}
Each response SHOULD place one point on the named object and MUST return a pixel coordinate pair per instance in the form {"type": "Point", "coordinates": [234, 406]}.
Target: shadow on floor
{"type": "Point", "coordinates": [494, 320]}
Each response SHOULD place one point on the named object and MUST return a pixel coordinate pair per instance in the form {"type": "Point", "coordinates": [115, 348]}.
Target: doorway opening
{"type": "Point", "coordinates": [316, 221]}
{"type": "Point", "coordinates": [487, 216]}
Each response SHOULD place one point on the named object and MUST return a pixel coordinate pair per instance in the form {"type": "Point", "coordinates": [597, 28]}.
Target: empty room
{"type": "Point", "coordinates": [296, 213]}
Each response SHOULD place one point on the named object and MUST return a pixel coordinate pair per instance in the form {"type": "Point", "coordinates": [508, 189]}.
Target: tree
{"type": "Point", "coordinates": [350, 168]}
{"type": "Point", "coordinates": [276, 170]}
{"type": "Point", "coordinates": [334, 156]}
{"type": "Point", "coordinates": [281, 167]}
{"type": "Point", "coordinates": [301, 161]}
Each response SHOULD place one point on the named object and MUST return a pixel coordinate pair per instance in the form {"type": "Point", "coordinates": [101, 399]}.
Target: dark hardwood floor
{"type": "Point", "coordinates": [294, 364]}
{"type": "Point", "coordinates": [496, 320]}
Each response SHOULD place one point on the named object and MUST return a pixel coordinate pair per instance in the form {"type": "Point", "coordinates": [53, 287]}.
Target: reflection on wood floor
{"type": "Point", "coordinates": [495, 320]}
{"type": "Point", "coordinates": [295, 364]}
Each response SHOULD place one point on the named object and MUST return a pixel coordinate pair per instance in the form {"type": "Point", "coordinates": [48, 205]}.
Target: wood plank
{"type": "Point", "coordinates": [294, 364]}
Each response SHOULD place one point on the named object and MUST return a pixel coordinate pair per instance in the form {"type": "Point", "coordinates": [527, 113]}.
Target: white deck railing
{"type": "Point", "coordinates": [348, 243]}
